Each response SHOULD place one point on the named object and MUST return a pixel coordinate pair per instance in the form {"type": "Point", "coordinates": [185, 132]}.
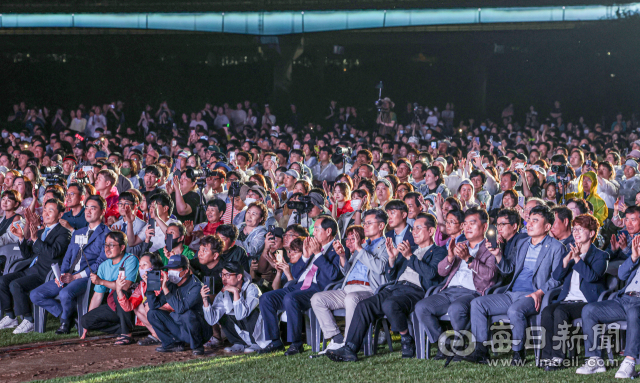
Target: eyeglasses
{"type": "Point", "coordinates": [370, 223]}
{"type": "Point", "coordinates": [578, 229]}
{"type": "Point", "coordinates": [123, 204]}
{"type": "Point", "coordinates": [499, 225]}
{"type": "Point", "coordinates": [110, 245]}
{"type": "Point", "coordinates": [226, 275]}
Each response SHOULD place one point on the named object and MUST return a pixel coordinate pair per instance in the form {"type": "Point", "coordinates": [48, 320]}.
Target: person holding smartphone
{"type": "Point", "coordinates": [235, 308]}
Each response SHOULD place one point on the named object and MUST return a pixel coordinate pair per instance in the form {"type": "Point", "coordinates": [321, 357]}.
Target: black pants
{"type": "Point", "coordinates": [248, 324]}
{"type": "Point", "coordinates": [554, 318]}
{"type": "Point", "coordinates": [173, 329]}
{"type": "Point", "coordinates": [15, 289]}
{"type": "Point", "coordinates": [104, 319]}
{"type": "Point", "coordinates": [396, 302]}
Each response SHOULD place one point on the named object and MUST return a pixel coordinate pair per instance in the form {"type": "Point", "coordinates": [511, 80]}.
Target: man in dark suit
{"type": "Point", "coordinates": [322, 268]}
{"type": "Point", "coordinates": [416, 271]}
{"type": "Point", "coordinates": [400, 231]}
{"type": "Point", "coordinates": [75, 270]}
{"type": "Point", "coordinates": [42, 248]}
{"type": "Point", "coordinates": [531, 263]}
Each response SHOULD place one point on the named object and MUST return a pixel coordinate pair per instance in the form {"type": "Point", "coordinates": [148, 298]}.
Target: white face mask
{"type": "Point", "coordinates": [248, 201]}
{"type": "Point", "coordinates": [5, 134]}
{"type": "Point", "coordinates": [469, 138]}
{"type": "Point", "coordinates": [355, 204]}
{"type": "Point", "coordinates": [381, 173]}
{"type": "Point", "coordinates": [174, 276]}
{"type": "Point", "coordinates": [144, 272]}
{"type": "Point", "coordinates": [428, 136]}
{"type": "Point", "coordinates": [296, 146]}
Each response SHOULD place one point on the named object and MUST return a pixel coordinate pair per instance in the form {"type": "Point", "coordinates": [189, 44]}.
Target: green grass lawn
{"type": "Point", "coordinates": [384, 367]}
{"type": "Point", "coordinates": [7, 338]}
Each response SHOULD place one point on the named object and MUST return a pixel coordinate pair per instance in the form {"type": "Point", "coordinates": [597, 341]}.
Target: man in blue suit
{"type": "Point", "coordinates": [531, 263]}
{"type": "Point", "coordinates": [322, 267]}
{"type": "Point", "coordinates": [624, 307]}
{"type": "Point", "coordinates": [75, 270]}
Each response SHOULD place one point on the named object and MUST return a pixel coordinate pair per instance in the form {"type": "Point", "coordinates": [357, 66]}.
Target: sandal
{"type": "Point", "coordinates": [124, 340]}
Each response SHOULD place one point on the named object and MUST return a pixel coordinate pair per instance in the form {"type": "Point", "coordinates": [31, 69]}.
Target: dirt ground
{"type": "Point", "coordinates": [68, 358]}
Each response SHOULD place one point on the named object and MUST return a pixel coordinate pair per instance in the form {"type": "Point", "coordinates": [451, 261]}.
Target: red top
{"type": "Point", "coordinates": [345, 209]}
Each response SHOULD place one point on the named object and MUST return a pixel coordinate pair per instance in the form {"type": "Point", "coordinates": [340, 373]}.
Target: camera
{"type": "Point", "coordinates": [53, 174]}
{"type": "Point", "coordinates": [560, 170]}
{"type": "Point", "coordinates": [302, 206]}
{"type": "Point", "coordinates": [234, 189]}
{"type": "Point", "coordinates": [341, 154]}
{"type": "Point", "coordinates": [200, 175]}
{"type": "Point", "coordinates": [380, 104]}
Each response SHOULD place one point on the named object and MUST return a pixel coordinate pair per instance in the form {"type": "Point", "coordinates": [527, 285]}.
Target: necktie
{"type": "Point", "coordinates": [44, 233]}
{"type": "Point", "coordinates": [79, 255]}
{"type": "Point", "coordinates": [42, 237]}
{"type": "Point", "coordinates": [308, 279]}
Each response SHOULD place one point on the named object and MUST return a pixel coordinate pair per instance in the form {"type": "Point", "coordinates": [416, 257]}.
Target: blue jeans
{"type": "Point", "coordinates": [624, 308]}
{"type": "Point", "coordinates": [64, 308]}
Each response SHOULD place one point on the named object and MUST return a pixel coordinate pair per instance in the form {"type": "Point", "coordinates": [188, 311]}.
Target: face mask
{"type": "Point", "coordinates": [125, 171]}
{"type": "Point", "coordinates": [5, 134]}
{"type": "Point", "coordinates": [355, 204]}
{"type": "Point", "coordinates": [96, 135]}
{"type": "Point", "coordinates": [174, 276]}
{"type": "Point", "coordinates": [483, 127]}
{"type": "Point", "coordinates": [383, 173]}
{"type": "Point", "coordinates": [428, 136]}
{"type": "Point", "coordinates": [248, 201]}
{"type": "Point", "coordinates": [469, 138]}
{"type": "Point", "coordinates": [586, 131]}
{"type": "Point", "coordinates": [144, 272]}
{"type": "Point", "coordinates": [351, 135]}
{"type": "Point", "coordinates": [296, 146]}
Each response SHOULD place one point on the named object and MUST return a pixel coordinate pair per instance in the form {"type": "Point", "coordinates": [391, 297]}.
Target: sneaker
{"type": "Point", "coordinates": [627, 369]}
{"type": "Point", "coordinates": [252, 348]}
{"type": "Point", "coordinates": [331, 346]}
{"type": "Point", "coordinates": [343, 354]}
{"type": "Point", "coordinates": [7, 322]}
{"type": "Point", "coordinates": [593, 365]}
{"type": "Point", "coordinates": [555, 364]}
{"type": "Point", "coordinates": [213, 342]}
{"type": "Point", "coordinates": [234, 349]}
{"type": "Point", "coordinates": [24, 328]}
{"type": "Point", "coordinates": [408, 346]}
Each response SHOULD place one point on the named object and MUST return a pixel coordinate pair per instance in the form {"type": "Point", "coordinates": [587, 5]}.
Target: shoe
{"type": "Point", "coordinates": [7, 322]}
{"type": "Point", "coordinates": [213, 342]}
{"type": "Point", "coordinates": [272, 347]}
{"type": "Point", "coordinates": [172, 348]}
{"type": "Point", "coordinates": [343, 354]}
{"type": "Point", "coordinates": [65, 328]}
{"type": "Point", "coordinates": [294, 349]}
{"type": "Point", "coordinates": [148, 341]}
{"type": "Point", "coordinates": [593, 365]}
{"type": "Point", "coordinates": [198, 351]}
{"type": "Point", "coordinates": [234, 349]}
{"type": "Point", "coordinates": [408, 346]}
{"type": "Point", "coordinates": [439, 356]}
{"type": "Point", "coordinates": [477, 357]}
{"type": "Point", "coordinates": [544, 363]}
{"type": "Point", "coordinates": [251, 349]}
{"type": "Point", "coordinates": [519, 358]}
{"type": "Point", "coordinates": [24, 328]}
{"type": "Point", "coordinates": [554, 364]}
{"type": "Point", "coordinates": [627, 369]}
{"type": "Point", "coordinates": [331, 346]}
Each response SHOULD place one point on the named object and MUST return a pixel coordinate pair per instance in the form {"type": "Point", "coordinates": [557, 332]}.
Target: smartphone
{"type": "Point", "coordinates": [121, 273]}
{"type": "Point", "coordinates": [274, 159]}
{"type": "Point", "coordinates": [520, 165]}
{"type": "Point", "coordinates": [174, 142]}
{"type": "Point", "coordinates": [232, 156]}
{"type": "Point", "coordinates": [270, 228]}
{"type": "Point", "coordinates": [434, 145]}
{"type": "Point", "coordinates": [87, 169]}
{"type": "Point", "coordinates": [589, 163]}
{"type": "Point", "coordinates": [477, 140]}
{"type": "Point", "coordinates": [279, 256]}
{"type": "Point", "coordinates": [209, 282]}
{"type": "Point", "coordinates": [152, 223]}
{"type": "Point", "coordinates": [169, 242]}
{"type": "Point", "coordinates": [521, 201]}
{"type": "Point", "coordinates": [492, 236]}
{"type": "Point", "coordinates": [154, 282]}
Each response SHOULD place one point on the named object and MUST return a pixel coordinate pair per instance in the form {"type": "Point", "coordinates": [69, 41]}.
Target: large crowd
{"type": "Point", "coordinates": [212, 227]}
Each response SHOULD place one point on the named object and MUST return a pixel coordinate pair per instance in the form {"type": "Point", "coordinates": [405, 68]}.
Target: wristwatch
{"type": "Point", "coordinates": [470, 259]}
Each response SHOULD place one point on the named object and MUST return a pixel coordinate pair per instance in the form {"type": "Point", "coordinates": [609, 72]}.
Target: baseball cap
{"type": "Point", "coordinates": [177, 261]}
{"type": "Point", "coordinates": [293, 173]}
{"type": "Point", "coordinates": [70, 158]}
{"type": "Point", "coordinates": [442, 161]}
{"type": "Point", "coordinates": [632, 163]}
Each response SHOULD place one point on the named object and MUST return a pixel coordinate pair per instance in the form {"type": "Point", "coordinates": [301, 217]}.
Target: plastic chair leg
{"type": "Point", "coordinates": [387, 334]}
